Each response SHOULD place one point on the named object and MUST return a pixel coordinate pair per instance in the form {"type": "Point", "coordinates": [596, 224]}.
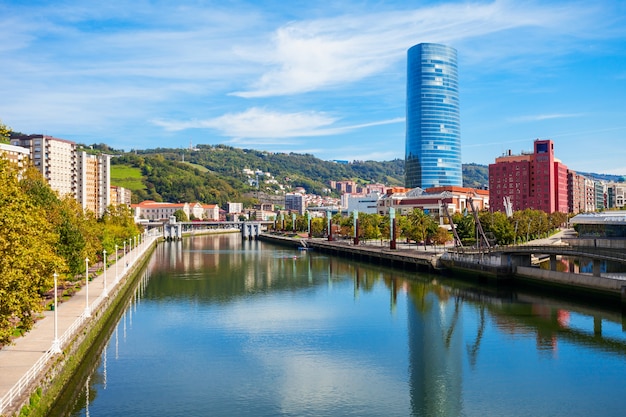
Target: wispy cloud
{"type": "Point", "coordinates": [260, 123]}
{"type": "Point", "coordinates": [308, 55]}
{"type": "Point", "coordinates": [541, 117]}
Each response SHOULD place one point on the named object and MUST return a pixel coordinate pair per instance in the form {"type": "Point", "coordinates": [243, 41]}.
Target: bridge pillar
{"type": "Point", "coordinates": [552, 262]}
{"type": "Point", "coordinates": [596, 267]}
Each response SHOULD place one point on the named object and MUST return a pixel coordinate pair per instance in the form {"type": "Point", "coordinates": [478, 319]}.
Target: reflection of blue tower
{"type": "Point", "coordinates": [435, 357]}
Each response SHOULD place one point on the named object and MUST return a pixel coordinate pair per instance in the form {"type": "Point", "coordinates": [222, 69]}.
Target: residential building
{"type": "Point", "coordinates": [120, 196]}
{"type": "Point", "coordinates": [16, 155]}
{"type": "Point", "coordinates": [433, 132]}
{"type": "Point", "coordinates": [295, 202]}
{"type": "Point", "coordinates": [93, 190]}
{"type": "Point", "coordinates": [534, 180]}
{"type": "Point", "coordinates": [232, 208]}
{"type": "Point", "coordinates": [211, 212]}
{"type": "Point", "coordinates": [55, 158]}
{"type": "Point", "coordinates": [616, 192]}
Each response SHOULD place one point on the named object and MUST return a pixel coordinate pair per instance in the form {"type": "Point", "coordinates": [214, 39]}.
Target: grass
{"type": "Point", "coordinates": [127, 177]}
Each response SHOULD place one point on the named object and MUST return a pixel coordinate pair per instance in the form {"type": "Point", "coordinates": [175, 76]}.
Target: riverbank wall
{"type": "Point", "coordinates": [42, 385]}
{"type": "Point", "coordinates": [491, 268]}
{"type": "Point", "coordinates": [401, 258]}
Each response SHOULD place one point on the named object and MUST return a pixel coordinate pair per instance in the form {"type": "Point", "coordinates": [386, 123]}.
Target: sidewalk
{"type": "Point", "coordinates": [19, 362]}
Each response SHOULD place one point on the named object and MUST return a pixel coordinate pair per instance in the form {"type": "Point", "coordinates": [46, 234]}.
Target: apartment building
{"type": "Point", "coordinates": [93, 190]}
{"type": "Point", "coordinates": [16, 155]}
{"type": "Point", "coordinates": [55, 158]}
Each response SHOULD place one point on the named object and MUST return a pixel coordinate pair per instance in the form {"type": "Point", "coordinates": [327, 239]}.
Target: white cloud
{"type": "Point", "coordinates": [540, 117]}
{"type": "Point", "coordinates": [259, 123]}
{"type": "Point", "coordinates": [309, 55]}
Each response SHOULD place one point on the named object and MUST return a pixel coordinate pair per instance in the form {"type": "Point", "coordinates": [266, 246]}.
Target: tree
{"type": "Point", "coordinates": [441, 236]}
{"type": "Point", "coordinates": [422, 225]}
{"type": "Point", "coordinates": [28, 258]}
{"type": "Point", "coordinates": [5, 131]}
{"type": "Point", "coordinates": [181, 216]}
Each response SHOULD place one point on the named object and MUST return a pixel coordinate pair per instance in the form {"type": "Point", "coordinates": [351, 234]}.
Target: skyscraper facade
{"type": "Point", "coordinates": [433, 129]}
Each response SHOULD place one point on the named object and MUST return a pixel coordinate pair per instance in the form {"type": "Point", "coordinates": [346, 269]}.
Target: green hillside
{"type": "Point", "coordinates": [215, 174]}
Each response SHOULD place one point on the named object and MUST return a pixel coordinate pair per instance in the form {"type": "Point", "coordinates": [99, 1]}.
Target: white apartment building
{"type": "Point", "coordinates": [93, 190]}
{"type": "Point", "coordinates": [55, 158]}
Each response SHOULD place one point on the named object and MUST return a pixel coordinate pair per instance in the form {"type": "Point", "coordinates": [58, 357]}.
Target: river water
{"type": "Point", "coordinates": [221, 327]}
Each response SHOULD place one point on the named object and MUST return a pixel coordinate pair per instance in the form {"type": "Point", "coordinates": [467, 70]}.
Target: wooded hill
{"type": "Point", "coordinates": [214, 173]}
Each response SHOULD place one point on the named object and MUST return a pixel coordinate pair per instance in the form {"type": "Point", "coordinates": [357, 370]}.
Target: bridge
{"type": "Point", "coordinates": [173, 230]}
{"type": "Point", "coordinates": [515, 262]}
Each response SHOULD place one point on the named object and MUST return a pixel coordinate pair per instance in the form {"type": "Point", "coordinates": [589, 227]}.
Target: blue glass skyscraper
{"type": "Point", "coordinates": [433, 129]}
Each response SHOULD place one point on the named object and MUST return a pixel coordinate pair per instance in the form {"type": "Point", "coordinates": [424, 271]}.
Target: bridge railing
{"type": "Point", "coordinates": [615, 255]}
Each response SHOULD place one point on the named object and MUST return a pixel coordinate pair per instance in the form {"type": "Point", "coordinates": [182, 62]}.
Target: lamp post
{"type": "Point", "coordinates": [87, 311]}
{"type": "Point", "coordinates": [56, 344]}
{"type": "Point", "coordinates": [104, 255]}
{"type": "Point", "coordinates": [116, 277]}
{"type": "Point", "coordinates": [124, 252]}
{"type": "Point", "coordinates": [355, 219]}
{"type": "Point", "coordinates": [392, 228]}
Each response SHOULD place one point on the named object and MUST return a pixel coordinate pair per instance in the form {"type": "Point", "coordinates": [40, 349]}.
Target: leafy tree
{"type": "Point", "coordinates": [181, 216]}
{"type": "Point", "coordinates": [5, 131]}
{"type": "Point", "coordinates": [441, 236]}
{"type": "Point", "coordinates": [498, 225]}
{"type": "Point", "coordinates": [28, 258]}
{"type": "Point", "coordinates": [422, 225]}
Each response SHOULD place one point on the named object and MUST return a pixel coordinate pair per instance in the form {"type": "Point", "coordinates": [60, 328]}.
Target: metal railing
{"type": "Point", "coordinates": [34, 372]}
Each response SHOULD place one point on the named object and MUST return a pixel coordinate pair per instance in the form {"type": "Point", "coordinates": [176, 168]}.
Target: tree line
{"type": "Point", "coordinates": [42, 234]}
{"type": "Point", "coordinates": [421, 227]}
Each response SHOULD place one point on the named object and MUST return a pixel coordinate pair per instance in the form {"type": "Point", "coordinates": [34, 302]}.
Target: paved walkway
{"type": "Point", "coordinates": [17, 361]}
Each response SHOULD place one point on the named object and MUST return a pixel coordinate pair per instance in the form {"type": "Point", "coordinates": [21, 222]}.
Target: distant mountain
{"type": "Point", "coordinates": [603, 177]}
{"type": "Point", "coordinates": [475, 176]}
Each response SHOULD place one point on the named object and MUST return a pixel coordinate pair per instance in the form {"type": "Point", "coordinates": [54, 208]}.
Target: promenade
{"type": "Point", "coordinates": [22, 362]}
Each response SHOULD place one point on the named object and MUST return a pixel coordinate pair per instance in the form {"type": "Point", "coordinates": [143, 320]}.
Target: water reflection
{"type": "Point", "coordinates": [223, 327]}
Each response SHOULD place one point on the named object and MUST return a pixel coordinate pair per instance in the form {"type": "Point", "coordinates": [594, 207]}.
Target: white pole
{"type": "Point", "coordinates": [116, 277]}
{"type": "Point", "coordinates": [87, 311]}
{"type": "Point", "coordinates": [124, 254]}
{"type": "Point", "coordinates": [104, 255]}
{"type": "Point", "coordinates": [56, 345]}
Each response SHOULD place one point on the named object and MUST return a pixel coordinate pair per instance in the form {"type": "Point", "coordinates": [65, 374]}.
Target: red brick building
{"type": "Point", "coordinates": [530, 180]}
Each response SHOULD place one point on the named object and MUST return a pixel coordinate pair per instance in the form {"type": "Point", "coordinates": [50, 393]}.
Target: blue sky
{"type": "Point", "coordinates": [325, 78]}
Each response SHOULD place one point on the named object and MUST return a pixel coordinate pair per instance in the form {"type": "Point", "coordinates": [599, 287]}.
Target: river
{"type": "Point", "coordinates": [221, 327]}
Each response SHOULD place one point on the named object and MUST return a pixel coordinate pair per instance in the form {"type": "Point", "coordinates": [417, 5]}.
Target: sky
{"type": "Point", "coordinates": [322, 78]}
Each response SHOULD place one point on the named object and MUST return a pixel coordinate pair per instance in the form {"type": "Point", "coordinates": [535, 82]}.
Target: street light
{"type": "Point", "coordinates": [116, 277]}
{"type": "Point", "coordinates": [104, 255]}
{"type": "Point", "coordinates": [124, 252]}
{"type": "Point", "coordinates": [56, 344]}
{"type": "Point", "coordinates": [87, 311]}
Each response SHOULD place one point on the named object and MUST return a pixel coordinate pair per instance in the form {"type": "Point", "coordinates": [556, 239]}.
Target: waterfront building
{"type": "Point", "coordinates": [210, 212]}
{"type": "Point", "coordinates": [151, 210]}
{"type": "Point", "coordinates": [55, 158]}
{"type": "Point", "coordinates": [536, 180]}
{"type": "Point", "coordinates": [616, 194]}
{"type": "Point", "coordinates": [93, 190]}
{"type": "Point", "coordinates": [610, 224]}
{"type": "Point", "coordinates": [367, 203]}
{"type": "Point", "coordinates": [433, 129]}
{"type": "Point", "coordinates": [434, 200]}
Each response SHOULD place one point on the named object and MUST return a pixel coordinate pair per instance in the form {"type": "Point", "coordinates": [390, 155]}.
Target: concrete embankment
{"type": "Point", "coordinates": [492, 267]}
{"type": "Point", "coordinates": [405, 258]}
{"type": "Point", "coordinates": [31, 365]}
